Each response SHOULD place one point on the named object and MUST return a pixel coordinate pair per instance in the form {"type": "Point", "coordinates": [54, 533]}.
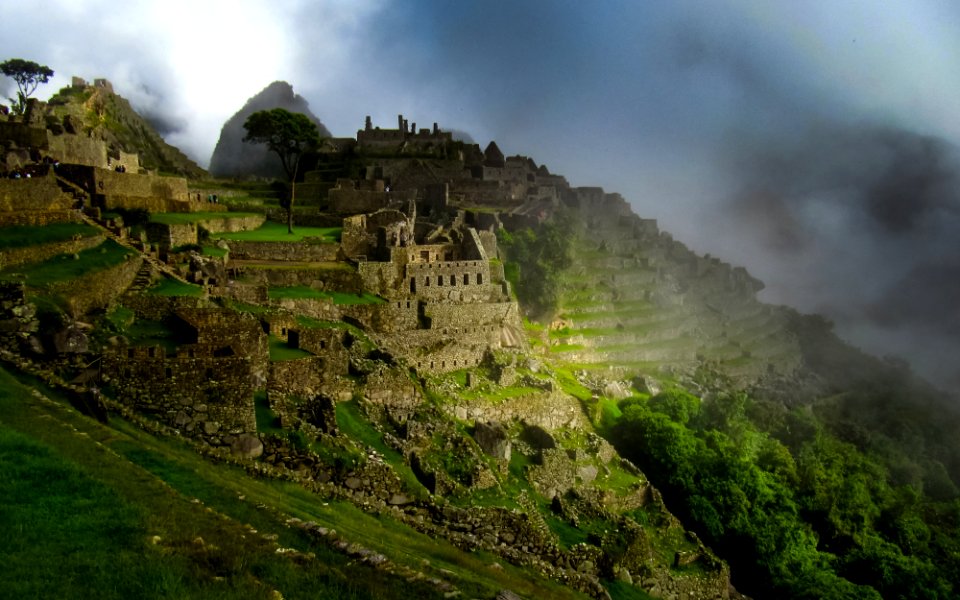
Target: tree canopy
{"type": "Point", "coordinates": [28, 76]}
{"type": "Point", "coordinates": [285, 133]}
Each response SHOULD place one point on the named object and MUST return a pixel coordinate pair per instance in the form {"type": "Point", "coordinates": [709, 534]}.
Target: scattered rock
{"type": "Point", "coordinates": [247, 446]}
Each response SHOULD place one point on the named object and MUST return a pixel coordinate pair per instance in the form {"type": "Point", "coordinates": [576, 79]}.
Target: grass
{"type": "Point", "coordinates": [351, 421]}
{"type": "Point", "coordinates": [302, 291]}
{"type": "Point", "coordinates": [569, 383]}
{"type": "Point", "coordinates": [34, 235]}
{"type": "Point", "coordinates": [126, 486]}
{"type": "Point", "coordinates": [267, 420]}
{"type": "Point", "coordinates": [174, 287]}
{"type": "Point", "coordinates": [214, 251]}
{"type": "Point", "coordinates": [280, 351]}
{"type": "Point", "coordinates": [195, 217]}
{"type": "Point", "coordinates": [620, 590]}
{"type": "Point", "coordinates": [64, 267]}
{"type": "Point", "coordinates": [277, 232]}
{"type": "Point", "coordinates": [144, 332]}
{"type": "Point", "coordinates": [499, 394]}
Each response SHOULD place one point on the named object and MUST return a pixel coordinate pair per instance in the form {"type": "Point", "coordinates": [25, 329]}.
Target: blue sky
{"type": "Point", "coordinates": [812, 142]}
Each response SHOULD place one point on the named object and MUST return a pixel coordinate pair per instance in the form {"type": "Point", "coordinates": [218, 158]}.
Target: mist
{"type": "Point", "coordinates": [814, 143]}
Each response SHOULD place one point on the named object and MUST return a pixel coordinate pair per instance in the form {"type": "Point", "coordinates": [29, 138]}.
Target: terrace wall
{"type": "Point", "coordinates": [40, 252]}
{"type": "Point", "coordinates": [99, 289]}
{"type": "Point", "coordinates": [305, 251]}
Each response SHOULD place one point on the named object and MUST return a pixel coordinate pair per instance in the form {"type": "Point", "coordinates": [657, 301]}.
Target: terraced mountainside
{"type": "Point", "coordinates": [636, 300]}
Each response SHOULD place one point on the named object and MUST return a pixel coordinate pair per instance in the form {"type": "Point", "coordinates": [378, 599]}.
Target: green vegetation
{"type": "Point", "coordinates": [288, 135]}
{"type": "Point", "coordinates": [174, 287]}
{"type": "Point", "coordinates": [536, 261]}
{"type": "Point", "coordinates": [280, 350]}
{"type": "Point", "coordinates": [351, 421]}
{"type": "Point", "coordinates": [92, 519]}
{"type": "Point", "coordinates": [301, 291]}
{"type": "Point", "coordinates": [27, 75]}
{"type": "Point", "coordinates": [64, 267]}
{"type": "Point", "coordinates": [34, 235]}
{"type": "Point", "coordinates": [213, 251]}
{"type": "Point", "coordinates": [275, 232]}
{"type": "Point", "coordinates": [806, 513]}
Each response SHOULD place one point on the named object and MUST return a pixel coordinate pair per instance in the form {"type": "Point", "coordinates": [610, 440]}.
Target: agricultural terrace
{"type": "Point", "coordinates": [277, 232]}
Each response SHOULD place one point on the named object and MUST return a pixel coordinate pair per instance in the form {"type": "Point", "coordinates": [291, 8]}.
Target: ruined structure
{"type": "Point", "coordinates": [205, 386]}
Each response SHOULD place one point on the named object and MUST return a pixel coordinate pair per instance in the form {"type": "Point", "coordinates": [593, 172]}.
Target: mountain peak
{"type": "Point", "coordinates": [232, 157]}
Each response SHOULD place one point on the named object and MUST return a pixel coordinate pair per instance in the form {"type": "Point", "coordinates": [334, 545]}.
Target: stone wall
{"type": "Point", "coordinates": [28, 254]}
{"type": "Point", "coordinates": [336, 279]}
{"type": "Point", "coordinates": [350, 197]}
{"type": "Point", "coordinates": [168, 236]}
{"type": "Point", "coordinates": [228, 223]}
{"type": "Point", "coordinates": [38, 217]}
{"type": "Point", "coordinates": [207, 397]}
{"type": "Point", "coordinates": [303, 378]}
{"type": "Point", "coordinates": [396, 316]}
{"type": "Point", "coordinates": [157, 308]}
{"type": "Point", "coordinates": [33, 194]}
{"type": "Point", "coordinates": [460, 317]}
{"type": "Point", "coordinates": [306, 251]}
{"type": "Point", "coordinates": [23, 134]}
{"type": "Point", "coordinates": [550, 410]}
{"type": "Point", "coordinates": [77, 150]}
{"type": "Point", "coordinates": [97, 290]}
{"type": "Point", "coordinates": [327, 344]}
{"type": "Point", "coordinates": [131, 185]}
{"type": "Point", "coordinates": [381, 278]}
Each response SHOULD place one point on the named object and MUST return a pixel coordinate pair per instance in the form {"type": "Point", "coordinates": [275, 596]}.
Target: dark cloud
{"type": "Point", "coordinates": [871, 211]}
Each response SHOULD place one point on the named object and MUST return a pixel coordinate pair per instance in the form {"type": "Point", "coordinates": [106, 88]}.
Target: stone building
{"type": "Point", "coordinates": [206, 386]}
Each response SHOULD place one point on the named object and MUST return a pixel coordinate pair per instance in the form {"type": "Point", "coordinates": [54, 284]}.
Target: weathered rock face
{"type": "Point", "coordinates": [232, 157]}
{"type": "Point", "coordinates": [493, 439]}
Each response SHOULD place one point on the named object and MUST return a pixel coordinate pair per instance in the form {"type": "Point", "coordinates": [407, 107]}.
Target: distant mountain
{"type": "Point", "coordinates": [232, 157]}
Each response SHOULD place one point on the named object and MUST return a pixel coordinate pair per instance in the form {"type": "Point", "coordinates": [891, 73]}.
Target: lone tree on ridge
{"type": "Point", "coordinates": [289, 135]}
{"type": "Point", "coordinates": [28, 76]}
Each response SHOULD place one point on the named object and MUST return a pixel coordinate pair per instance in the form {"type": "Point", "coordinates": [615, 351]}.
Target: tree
{"type": "Point", "coordinates": [288, 135]}
{"type": "Point", "coordinates": [28, 76]}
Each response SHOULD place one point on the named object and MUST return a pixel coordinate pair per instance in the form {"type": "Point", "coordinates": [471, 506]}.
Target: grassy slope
{"type": "Point", "coordinates": [129, 487]}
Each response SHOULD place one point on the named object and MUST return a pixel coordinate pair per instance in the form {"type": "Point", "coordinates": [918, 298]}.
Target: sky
{"type": "Point", "coordinates": [815, 142]}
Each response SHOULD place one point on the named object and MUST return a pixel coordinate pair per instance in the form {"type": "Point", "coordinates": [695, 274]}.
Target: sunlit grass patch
{"type": "Point", "coordinates": [63, 267]}
{"type": "Point", "coordinates": [280, 351]}
{"type": "Point", "coordinates": [173, 287]}
{"type": "Point", "coordinates": [32, 235]}
{"type": "Point", "coordinates": [277, 232]}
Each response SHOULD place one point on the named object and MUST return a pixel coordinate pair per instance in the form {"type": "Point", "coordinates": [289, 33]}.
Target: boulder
{"type": "Point", "coordinates": [247, 445]}
{"type": "Point", "coordinates": [493, 439]}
